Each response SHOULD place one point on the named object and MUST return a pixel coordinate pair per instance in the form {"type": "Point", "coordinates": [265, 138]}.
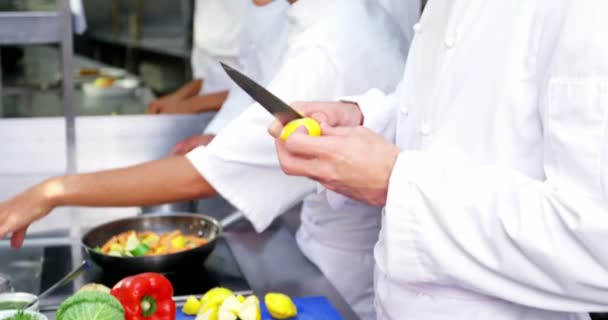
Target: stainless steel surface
{"type": "Point", "coordinates": [67, 53]}
{"type": "Point", "coordinates": [5, 284]}
{"type": "Point", "coordinates": [22, 267]}
{"type": "Point", "coordinates": [195, 224]}
{"type": "Point", "coordinates": [231, 219]}
{"type": "Point", "coordinates": [64, 281]}
{"type": "Point", "coordinates": [184, 206]}
{"type": "Point", "coordinates": [29, 27]}
{"type": "Point", "coordinates": [281, 110]}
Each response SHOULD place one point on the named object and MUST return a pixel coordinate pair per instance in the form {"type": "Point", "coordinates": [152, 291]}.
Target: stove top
{"type": "Point", "coordinates": [220, 269]}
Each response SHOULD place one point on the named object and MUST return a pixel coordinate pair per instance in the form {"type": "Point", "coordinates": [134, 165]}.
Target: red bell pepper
{"type": "Point", "coordinates": [147, 296]}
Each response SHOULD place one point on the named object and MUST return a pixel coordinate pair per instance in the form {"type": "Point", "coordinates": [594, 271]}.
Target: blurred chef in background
{"type": "Point", "coordinates": [334, 48]}
{"type": "Point", "coordinates": [266, 40]}
{"type": "Point", "coordinates": [226, 30]}
{"type": "Point", "coordinates": [260, 62]}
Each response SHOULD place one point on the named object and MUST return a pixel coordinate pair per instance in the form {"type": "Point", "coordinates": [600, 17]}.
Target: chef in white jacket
{"type": "Point", "coordinates": [405, 13]}
{"type": "Point", "coordinates": [323, 59]}
{"type": "Point", "coordinates": [334, 48]}
{"type": "Point", "coordinates": [226, 30]}
{"type": "Point", "coordinates": [265, 40]}
{"type": "Point", "coordinates": [490, 161]}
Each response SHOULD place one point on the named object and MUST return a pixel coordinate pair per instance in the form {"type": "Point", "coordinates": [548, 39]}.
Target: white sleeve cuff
{"type": "Point", "coordinates": [377, 112]}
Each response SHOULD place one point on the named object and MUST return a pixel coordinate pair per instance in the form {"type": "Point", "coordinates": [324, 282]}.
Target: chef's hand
{"type": "Point", "coordinates": [19, 212]}
{"type": "Point", "coordinates": [176, 102]}
{"type": "Point", "coordinates": [188, 144]}
{"type": "Point", "coordinates": [174, 106]}
{"type": "Point", "coordinates": [353, 161]}
{"type": "Point", "coordinates": [344, 114]}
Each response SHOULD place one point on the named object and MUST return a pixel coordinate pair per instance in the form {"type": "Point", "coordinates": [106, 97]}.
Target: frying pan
{"type": "Point", "coordinates": [187, 223]}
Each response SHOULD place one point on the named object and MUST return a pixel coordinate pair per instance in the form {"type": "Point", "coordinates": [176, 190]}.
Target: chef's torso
{"type": "Point", "coordinates": [322, 61]}
{"type": "Point", "coordinates": [483, 81]}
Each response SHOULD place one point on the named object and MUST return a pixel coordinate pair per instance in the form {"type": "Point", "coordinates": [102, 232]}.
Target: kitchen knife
{"type": "Point", "coordinates": [289, 117]}
{"type": "Point", "coordinates": [279, 109]}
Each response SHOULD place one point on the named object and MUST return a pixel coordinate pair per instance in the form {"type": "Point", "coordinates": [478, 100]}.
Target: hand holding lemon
{"type": "Point", "coordinates": [313, 127]}
{"type": "Point", "coordinates": [333, 114]}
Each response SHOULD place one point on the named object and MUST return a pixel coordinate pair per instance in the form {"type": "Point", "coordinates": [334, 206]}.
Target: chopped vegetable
{"type": "Point", "coordinates": [151, 240]}
{"type": "Point", "coordinates": [132, 242]}
{"type": "Point", "coordinates": [138, 244]}
{"type": "Point", "coordinates": [178, 242]}
{"type": "Point", "coordinates": [91, 305]}
{"type": "Point", "coordinates": [210, 314]}
{"type": "Point", "coordinates": [231, 304]}
{"type": "Point", "coordinates": [192, 306]}
{"type": "Point", "coordinates": [141, 250]}
{"type": "Point", "coordinates": [147, 295]}
{"type": "Point", "coordinates": [94, 287]}
{"type": "Point", "coordinates": [250, 309]}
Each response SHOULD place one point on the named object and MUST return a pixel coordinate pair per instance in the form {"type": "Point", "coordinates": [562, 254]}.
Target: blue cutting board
{"type": "Point", "coordinates": [311, 308]}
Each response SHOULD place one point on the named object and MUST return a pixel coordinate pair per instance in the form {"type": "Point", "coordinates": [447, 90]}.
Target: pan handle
{"type": "Point", "coordinates": [231, 219]}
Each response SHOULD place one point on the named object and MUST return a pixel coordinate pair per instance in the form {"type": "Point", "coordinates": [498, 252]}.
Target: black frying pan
{"type": "Point", "coordinates": [195, 224]}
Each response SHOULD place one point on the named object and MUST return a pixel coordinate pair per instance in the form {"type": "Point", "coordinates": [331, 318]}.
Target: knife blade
{"type": "Point", "coordinates": [279, 109]}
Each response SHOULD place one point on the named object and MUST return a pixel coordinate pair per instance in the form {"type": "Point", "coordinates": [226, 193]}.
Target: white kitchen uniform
{"type": "Point", "coordinates": [226, 31]}
{"type": "Point", "coordinates": [405, 13]}
{"type": "Point", "coordinates": [497, 204]}
{"type": "Point", "coordinates": [327, 56]}
{"type": "Point", "coordinates": [266, 42]}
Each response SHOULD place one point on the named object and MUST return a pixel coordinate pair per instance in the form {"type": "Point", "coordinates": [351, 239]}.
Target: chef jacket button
{"type": "Point", "coordinates": [404, 111]}
{"type": "Point", "coordinates": [418, 28]}
{"type": "Point", "coordinates": [425, 129]}
{"type": "Point", "coordinates": [450, 42]}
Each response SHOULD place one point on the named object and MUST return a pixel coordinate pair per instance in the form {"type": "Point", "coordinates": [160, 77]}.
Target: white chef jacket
{"type": "Point", "coordinates": [226, 31]}
{"type": "Point", "coordinates": [497, 203]}
{"type": "Point", "coordinates": [405, 13]}
{"type": "Point", "coordinates": [327, 56]}
{"type": "Point", "coordinates": [265, 45]}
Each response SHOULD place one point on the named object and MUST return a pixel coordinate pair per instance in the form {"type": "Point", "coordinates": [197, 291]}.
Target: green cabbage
{"type": "Point", "coordinates": [91, 305]}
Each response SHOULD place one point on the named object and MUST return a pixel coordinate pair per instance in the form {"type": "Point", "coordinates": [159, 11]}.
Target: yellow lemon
{"type": "Point", "coordinates": [226, 315]}
{"type": "Point", "coordinates": [250, 309]}
{"type": "Point", "coordinates": [280, 306]}
{"type": "Point", "coordinates": [231, 304]}
{"type": "Point", "coordinates": [192, 306]}
{"type": "Point", "coordinates": [210, 314]}
{"type": "Point", "coordinates": [313, 127]}
{"type": "Point", "coordinates": [215, 296]}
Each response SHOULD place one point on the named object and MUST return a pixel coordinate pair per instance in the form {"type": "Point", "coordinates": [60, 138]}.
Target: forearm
{"type": "Point", "coordinates": [190, 89]}
{"type": "Point", "coordinates": [209, 102]}
{"type": "Point", "coordinates": [162, 181]}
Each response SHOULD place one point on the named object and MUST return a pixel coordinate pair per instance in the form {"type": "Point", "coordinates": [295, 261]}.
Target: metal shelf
{"type": "Point", "coordinates": [30, 27]}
